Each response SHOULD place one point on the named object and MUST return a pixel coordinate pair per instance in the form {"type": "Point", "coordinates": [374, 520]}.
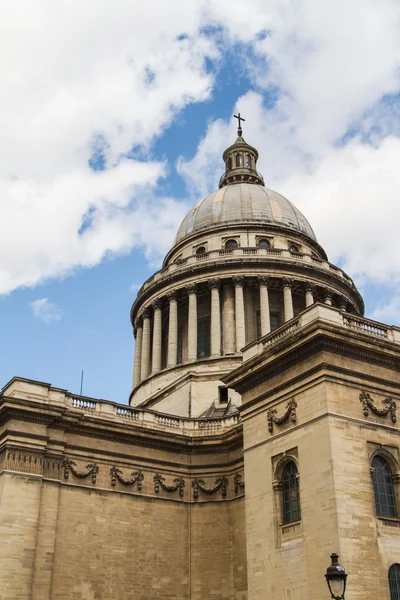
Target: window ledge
{"type": "Point", "coordinates": [295, 524]}
{"type": "Point", "coordinates": [390, 520]}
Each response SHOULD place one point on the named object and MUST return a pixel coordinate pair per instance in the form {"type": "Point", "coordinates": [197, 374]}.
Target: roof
{"type": "Point", "coordinates": [243, 203]}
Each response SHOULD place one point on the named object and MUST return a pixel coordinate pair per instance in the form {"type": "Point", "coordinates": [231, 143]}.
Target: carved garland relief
{"type": "Point", "coordinates": [290, 412]}
{"type": "Point", "coordinates": [368, 405]}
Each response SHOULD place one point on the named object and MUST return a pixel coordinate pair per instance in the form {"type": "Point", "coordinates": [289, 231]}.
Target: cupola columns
{"type": "Point", "coordinates": [309, 295]}
{"type": "Point", "coordinates": [215, 318]}
{"type": "Point", "coordinates": [239, 313]}
{"type": "Point", "coordinates": [264, 306]}
{"type": "Point", "coordinates": [145, 361]}
{"type": "Point", "coordinates": [157, 337]}
{"type": "Point", "coordinates": [287, 300]}
{"type": "Point", "coordinates": [192, 323]}
{"type": "Point", "coordinates": [172, 358]}
{"type": "Point", "coordinates": [138, 352]}
{"type": "Point", "coordinates": [217, 305]}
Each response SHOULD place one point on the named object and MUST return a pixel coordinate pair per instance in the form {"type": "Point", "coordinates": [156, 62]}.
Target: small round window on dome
{"type": "Point", "coordinates": [201, 250]}
{"type": "Point", "coordinates": [231, 245]}
{"type": "Point", "coordinates": [264, 243]}
{"type": "Point", "coordinates": [294, 248]}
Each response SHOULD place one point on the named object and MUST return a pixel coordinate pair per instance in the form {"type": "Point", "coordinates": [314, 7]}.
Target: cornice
{"type": "Point", "coordinates": [305, 343]}
{"type": "Point", "coordinates": [242, 265]}
{"type": "Point", "coordinates": [87, 425]}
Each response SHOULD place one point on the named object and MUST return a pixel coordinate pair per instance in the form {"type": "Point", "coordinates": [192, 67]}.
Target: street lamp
{"type": "Point", "coordinates": [336, 578]}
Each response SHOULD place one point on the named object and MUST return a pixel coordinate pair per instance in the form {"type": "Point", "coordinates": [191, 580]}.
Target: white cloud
{"type": "Point", "coordinates": [46, 311]}
{"type": "Point", "coordinates": [78, 79]}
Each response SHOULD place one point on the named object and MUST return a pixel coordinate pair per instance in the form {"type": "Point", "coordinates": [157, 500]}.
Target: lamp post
{"type": "Point", "coordinates": [336, 578]}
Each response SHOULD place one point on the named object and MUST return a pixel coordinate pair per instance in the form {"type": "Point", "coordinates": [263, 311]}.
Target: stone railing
{"type": "Point", "coordinates": [259, 253]}
{"type": "Point", "coordinates": [366, 326]}
{"type": "Point", "coordinates": [328, 314]}
{"type": "Point", "coordinates": [93, 408]}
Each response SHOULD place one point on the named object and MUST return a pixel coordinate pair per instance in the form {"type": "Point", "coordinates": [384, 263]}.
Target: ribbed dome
{"type": "Point", "coordinates": [244, 203]}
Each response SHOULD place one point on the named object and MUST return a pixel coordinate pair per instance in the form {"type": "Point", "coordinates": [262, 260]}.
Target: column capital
{"type": "Point", "coordinates": [214, 284]}
{"type": "Point", "coordinates": [239, 281]}
{"type": "Point", "coordinates": [286, 282]}
{"type": "Point", "coordinates": [146, 313]}
{"type": "Point", "coordinates": [172, 295]}
{"type": "Point", "coordinates": [157, 304]}
{"type": "Point", "coordinates": [191, 288]}
{"type": "Point", "coordinates": [327, 294]}
{"type": "Point", "coordinates": [138, 324]}
{"type": "Point", "coordinates": [263, 280]}
{"type": "Point", "coordinates": [309, 287]}
{"type": "Point", "coordinates": [343, 303]}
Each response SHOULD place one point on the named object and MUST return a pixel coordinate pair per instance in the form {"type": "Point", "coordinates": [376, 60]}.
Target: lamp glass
{"type": "Point", "coordinates": [337, 587]}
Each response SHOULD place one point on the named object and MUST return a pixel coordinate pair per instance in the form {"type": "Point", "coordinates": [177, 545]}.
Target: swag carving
{"type": "Point", "coordinates": [159, 482]}
{"type": "Point", "coordinates": [290, 413]}
{"type": "Point", "coordinates": [91, 469]}
{"type": "Point", "coordinates": [220, 483]}
{"type": "Point", "coordinates": [368, 404]}
{"type": "Point", "coordinates": [238, 483]}
{"type": "Point", "coordinates": [137, 477]}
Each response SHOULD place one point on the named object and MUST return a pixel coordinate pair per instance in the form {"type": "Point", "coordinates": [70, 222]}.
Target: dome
{"type": "Point", "coordinates": [245, 204]}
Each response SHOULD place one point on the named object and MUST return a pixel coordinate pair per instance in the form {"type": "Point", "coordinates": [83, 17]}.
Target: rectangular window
{"type": "Point", "coordinates": [275, 321]}
{"type": "Point", "coordinates": [223, 395]}
{"type": "Point", "coordinates": [203, 338]}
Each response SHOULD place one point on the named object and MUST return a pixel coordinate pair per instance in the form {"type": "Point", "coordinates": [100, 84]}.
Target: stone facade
{"type": "Point", "coordinates": [261, 401]}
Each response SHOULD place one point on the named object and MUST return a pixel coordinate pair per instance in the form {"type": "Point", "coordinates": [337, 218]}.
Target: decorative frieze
{"type": "Point", "coordinates": [91, 469]}
{"type": "Point", "coordinates": [221, 483]}
{"type": "Point", "coordinates": [178, 484]}
{"type": "Point", "coordinates": [368, 404]}
{"type": "Point", "coordinates": [290, 413]}
{"type": "Point", "coordinates": [136, 478]}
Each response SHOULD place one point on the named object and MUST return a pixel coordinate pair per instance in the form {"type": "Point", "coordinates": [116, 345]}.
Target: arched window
{"type": "Point", "coordinates": [264, 243]}
{"type": "Point", "coordinates": [394, 582]}
{"type": "Point", "coordinates": [248, 161]}
{"type": "Point", "coordinates": [385, 499]}
{"type": "Point", "coordinates": [201, 250]}
{"type": "Point", "coordinates": [231, 245]}
{"type": "Point", "coordinates": [239, 160]}
{"type": "Point", "coordinates": [290, 494]}
{"type": "Point", "coordinates": [294, 248]}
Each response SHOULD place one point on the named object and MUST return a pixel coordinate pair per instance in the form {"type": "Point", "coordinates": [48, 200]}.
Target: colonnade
{"type": "Point", "coordinates": [149, 344]}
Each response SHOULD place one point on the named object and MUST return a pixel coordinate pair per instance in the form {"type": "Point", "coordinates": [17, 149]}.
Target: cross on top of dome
{"type": "Point", "coordinates": [239, 118]}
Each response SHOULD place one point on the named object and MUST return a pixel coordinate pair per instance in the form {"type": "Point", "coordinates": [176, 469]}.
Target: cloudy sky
{"type": "Point", "coordinates": [113, 118]}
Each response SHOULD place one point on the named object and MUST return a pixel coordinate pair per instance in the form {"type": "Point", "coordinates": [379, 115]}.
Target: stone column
{"type": "Point", "coordinates": [287, 299]}
{"type": "Point", "coordinates": [343, 304]}
{"type": "Point", "coordinates": [145, 363]}
{"type": "Point", "coordinates": [192, 323]}
{"type": "Point", "coordinates": [309, 289]}
{"type": "Point", "coordinates": [239, 313]}
{"type": "Point", "coordinates": [328, 297]}
{"type": "Point", "coordinates": [264, 305]}
{"type": "Point", "coordinates": [172, 358]}
{"type": "Point", "coordinates": [228, 319]}
{"type": "Point", "coordinates": [215, 318]}
{"type": "Point", "coordinates": [138, 352]}
{"type": "Point", "coordinates": [157, 337]}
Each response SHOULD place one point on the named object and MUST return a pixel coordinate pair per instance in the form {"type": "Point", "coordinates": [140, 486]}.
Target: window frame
{"type": "Point", "coordinates": [380, 507]}
{"type": "Point", "coordinates": [290, 494]}
{"type": "Point", "coordinates": [394, 582]}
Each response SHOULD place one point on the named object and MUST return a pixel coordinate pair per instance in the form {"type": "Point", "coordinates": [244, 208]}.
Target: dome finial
{"type": "Point", "coordinates": [239, 118]}
{"type": "Point", "coordinates": [240, 161]}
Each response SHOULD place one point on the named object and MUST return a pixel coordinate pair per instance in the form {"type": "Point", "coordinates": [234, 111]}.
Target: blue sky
{"type": "Point", "coordinates": [82, 229]}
